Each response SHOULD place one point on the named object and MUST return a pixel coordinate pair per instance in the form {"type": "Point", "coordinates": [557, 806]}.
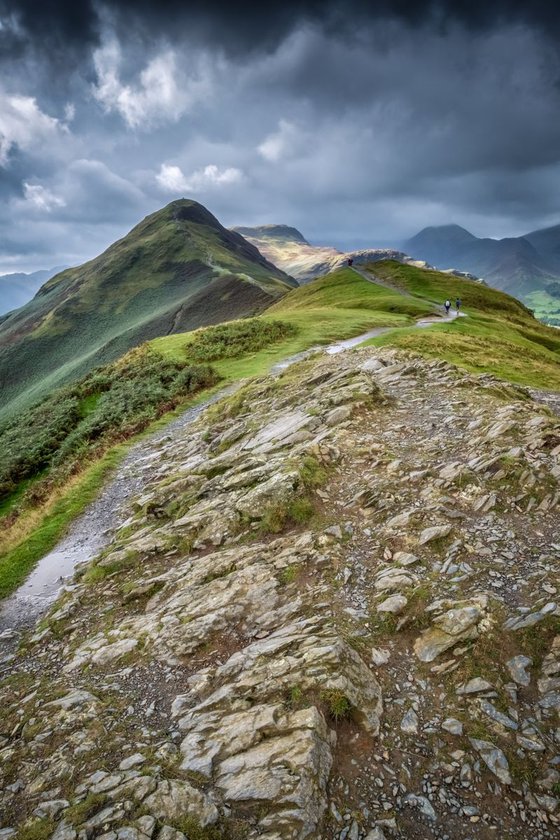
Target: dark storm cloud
{"type": "Point", "coordinates": [54, 25]}
{"type": "Point", "coordinates": [357, 122]}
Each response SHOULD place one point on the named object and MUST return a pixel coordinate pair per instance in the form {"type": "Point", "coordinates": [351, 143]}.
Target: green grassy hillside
{"type": "Point", "coordinates": [500, 335]}
{"type": "Point", "coordinates": [177, 270]}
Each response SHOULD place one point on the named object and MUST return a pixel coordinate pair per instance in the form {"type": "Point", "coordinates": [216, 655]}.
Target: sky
{"type": "Point", "coordinates": [358, 122]}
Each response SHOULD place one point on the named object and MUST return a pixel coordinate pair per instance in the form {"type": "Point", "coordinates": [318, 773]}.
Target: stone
{"type": "Point", "coordinates": [64, 831]}
{"type": "Point", "coordinates": [496, 715]}
{"type": "Point", "coordinates": [277, 490]}
{"type": "Point", "coordinates": [474, 686]}
{"type": "Point", "coordinates": [494, 759]}
{"type": "Point", "coordinates": [72, 699]}
{"type": "Point", "coordinates": [453, 726]}
{"type": "Point", "coordinates": [338, 415]}
{"type": "Point", "coordinates": [436, 532]}
{"type": "Point", "coordinates": [404, 558]}
{"type": "Point", "coordinates": [375, 834]}
{"type": "Point", "coordinates": [455, 625]}
{"type": "Point", "coordinates": [398, 522]}
{"type": "Point", "coordinates": [274, 433]}
{"type": "Point", "coordinates": [132, 761]}
{"type": "Point", "coordinates": [380, 657]}
{"type": "Point", "coordinates": [409, 723]}
{"type": "Point", "coordinates": [393, 604]}
{"type": "Point", "coordinates": [51, 808]}
{"type": "Point", "coordinates": [422, 803]}
{"type": "Point", "coordinates": [517, 666]}
{"type": "Point", "coordinates": [173, 800]}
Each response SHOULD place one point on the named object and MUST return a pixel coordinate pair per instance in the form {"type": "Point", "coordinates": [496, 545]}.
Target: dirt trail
{"type": "Point", "coordinates": [92, 531]}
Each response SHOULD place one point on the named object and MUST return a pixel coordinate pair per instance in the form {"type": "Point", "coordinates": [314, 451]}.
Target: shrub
{"type": "Point", "coordinates": [109, 405]}
{"type": "Point", "coordinates": [234, 339]}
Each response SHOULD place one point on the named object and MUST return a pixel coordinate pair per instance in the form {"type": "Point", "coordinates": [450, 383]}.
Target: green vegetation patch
{"type": "Point", "coordinates": [110, 404]}
{"type": "Point", "coordinates": [237, 338]}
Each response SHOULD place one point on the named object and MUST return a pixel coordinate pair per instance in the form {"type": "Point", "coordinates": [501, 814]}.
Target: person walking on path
{"type": "Point", "coordinates": [447, 307]}
{"type": "Point", "coordinates": [458, 304]}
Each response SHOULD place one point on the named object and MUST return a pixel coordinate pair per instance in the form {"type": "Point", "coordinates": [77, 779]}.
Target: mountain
{"type": "Point", "coordinates": [287, 248]}
{"type": "Point", "coordinates": [518, 265]}
{"type": "Point", "coordinates": [177, 270]}
{"type": "Point", "coordinates": [283, 233]}
{"type": "Point", "coordinates": [546, 241]}
{"type": "Point", "coordinates": [17, 289]}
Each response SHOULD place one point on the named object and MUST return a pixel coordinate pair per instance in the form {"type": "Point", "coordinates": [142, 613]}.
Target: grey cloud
{"type": "Point", "coordinates": [357, 135]}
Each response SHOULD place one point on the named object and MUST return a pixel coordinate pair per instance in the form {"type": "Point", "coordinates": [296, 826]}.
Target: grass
{"type": "Point", "coordinates": [36, 830]}
{"type": "Point", "coordinates": [500, 336]}
{"type": "Point", "coordinates": [277, 517]}
{"type": "Point", "coordinates": [338, 306]}
{"type": "Point", "coordinates": [338, 705]}
{"type": "Point", "coordinates": [81, 812]}
{"type": "Point", "coordinates": [35, 534]}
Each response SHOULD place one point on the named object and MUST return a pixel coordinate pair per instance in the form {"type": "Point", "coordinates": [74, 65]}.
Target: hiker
{"type": "Point", "coordinates": [447, 307]}
{"type": "Point", "coordinates": [458, 303]}
{"type": "Point", "coordinates": [350, 262]}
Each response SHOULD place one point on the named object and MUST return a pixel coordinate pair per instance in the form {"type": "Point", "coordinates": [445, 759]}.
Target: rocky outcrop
{"type": "Point", "coordinates": [333, 613]}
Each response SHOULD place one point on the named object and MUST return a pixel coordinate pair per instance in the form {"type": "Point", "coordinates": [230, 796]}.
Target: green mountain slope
{"type": "Point", "coordinates": [177, 270]}
{"type": "Point", "coordinates": [499, 336]}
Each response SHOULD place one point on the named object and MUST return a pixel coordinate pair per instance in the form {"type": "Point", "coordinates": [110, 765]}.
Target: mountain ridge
{"type": "Point", "coordinates": [17, 288]}
{"type": "Point", "coordinates": [178, 269]}
{"type": "Point", "coordinates": [287, 248]}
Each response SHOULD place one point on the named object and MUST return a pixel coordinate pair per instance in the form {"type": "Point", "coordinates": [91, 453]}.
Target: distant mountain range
{"type": "Point", "coordinates": [525, 266]}
{"type": "Point", "coordinates": [287, 248]}
{"type": "Point", "coordinates": [177, 270]}
{"type": "Point", "coordinates": [16, 289]}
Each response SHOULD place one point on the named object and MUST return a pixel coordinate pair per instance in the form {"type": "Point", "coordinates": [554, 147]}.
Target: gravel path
{"type": "Point", "coordinates": [92, 531]}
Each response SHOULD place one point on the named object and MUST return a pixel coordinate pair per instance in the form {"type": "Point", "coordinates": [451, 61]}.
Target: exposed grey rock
{"type": "Point", "coordinates": [474, 686]}
{"type": "Point", "coordinates": [131, 761]}
{"type": "Point", "coordinates": [463, 622]}
{"type": "Point", "coordinates": [436, 532]}
{"type": "Point", "coordinates": [452, 725]}
{"type": "Point", "coordinates": [409, 723]}
{"type": "Point", "coordinates": [422, 803]}
{"type": "Point", "coordinates": [517, 666]}
{"type": "Point", "coordinates": [494, 759]}
{"type": "Point", "coordinates": [175, 799]}
{"type": "Point", "coordinates": [393, 604]}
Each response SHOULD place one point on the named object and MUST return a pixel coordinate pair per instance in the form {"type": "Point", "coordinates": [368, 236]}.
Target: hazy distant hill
{"type": "Point", "coordinates": [177, 270]}
{"type": "Point", "coordinates": [518, 265]}
{"type": "Point", "coordinates": [287, 248]}
{"type": "Point", "coordinates": [16, 289]}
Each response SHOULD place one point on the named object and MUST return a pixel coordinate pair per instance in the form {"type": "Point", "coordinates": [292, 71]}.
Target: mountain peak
{"type": "Point", "coordinates": [444, 233]}
{"type": "Point", "coordinates": [283, 232]}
